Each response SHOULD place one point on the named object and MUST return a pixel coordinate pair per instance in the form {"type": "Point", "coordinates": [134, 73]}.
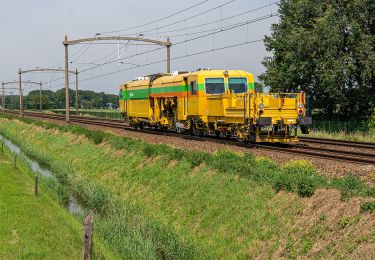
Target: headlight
{"type": "Point", "coordinates": [261, 106]}
{"type": "Point", "coordinates": [300, 106]}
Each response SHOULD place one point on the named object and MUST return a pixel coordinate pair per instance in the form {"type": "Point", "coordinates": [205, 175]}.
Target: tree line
{"type": "Point", "coordinates": [87, 99]}
{"type": "Point", "coordinates": [327, 49]}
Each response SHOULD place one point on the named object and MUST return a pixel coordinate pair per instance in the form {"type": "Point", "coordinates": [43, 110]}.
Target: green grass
{"type": "Point", "coordinates": [38, 227]}
{"type": "Point", "coordinates": [100, 113]}
{"type": "Point", "coordinates": [157, 201]}
{"type": "Point", "coordinates": [90, 110]}
{"type": "Point", "coordinates": [368, 206]}
{"type": "Point", "coordinates": [33, 227]}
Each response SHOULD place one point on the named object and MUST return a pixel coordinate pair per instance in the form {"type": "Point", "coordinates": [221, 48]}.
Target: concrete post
{"type": "Point", "coordinates": [168, 56]}
{"type": "Point", "coordinates": [77, 92]}
{"type": "Point", "coordinates": [21, 92]}
{"type": "Point", "coordinates": [3, 96]}
{"type": "Point", "coordinates": [67, 105]}
{"type": "Point", "coordinates": [40, 97]}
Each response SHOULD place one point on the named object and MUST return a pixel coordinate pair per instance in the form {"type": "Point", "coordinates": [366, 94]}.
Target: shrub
{"type": "Point", "coordinates": [298, 176]}
{"type": "Point", "coordinates": [351, 182]}
{"type": "Point", "coordinates": [367, 206]}
{"type": "Point", "coordinates": [370, 192]}
{"type": "Point", "coordinates": [299, 167]}
{"type": "Point", "coordinates": [350, 185]}
{"type": "Point", "coordinates": [151, 150]}
{"type": "Point", "coordinates": [196, 158]}
{"type": "Point", "coordinates": [343, 222]}
{"type": "Point", "coordinates": [306, 188]}
{"type": "Point", "coordinates": [283, 182]}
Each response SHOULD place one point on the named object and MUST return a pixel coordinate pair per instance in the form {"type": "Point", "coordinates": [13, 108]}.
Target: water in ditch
{"type": "Point", "coordinates": [74, 206]}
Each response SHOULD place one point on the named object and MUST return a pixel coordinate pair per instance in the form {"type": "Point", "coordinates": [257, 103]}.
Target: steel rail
{"type": "Point", "coordinates": [312, 148]}
{"type": "Point", "coordinates": [365, 145]}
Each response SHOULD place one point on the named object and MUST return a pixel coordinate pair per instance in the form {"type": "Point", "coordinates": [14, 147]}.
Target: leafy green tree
{"type": "Point", "coordinates": [258, 87]}
{"type": "Point", "coordinates": [53, 100]}
{"type": "Point", "coordinates": [33, 99]}
{"type": "Point", "coordinates": [86, 104]}
{"type": "Point", "coordinates": [12, 101]}
{"type": "Point", "coordinates": [327, 49]}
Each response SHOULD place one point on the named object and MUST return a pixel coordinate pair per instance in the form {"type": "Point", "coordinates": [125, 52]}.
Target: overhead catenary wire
{"type": "Point", "coordinates": [186, 34]}
{"type": "Point", "coordinates": [70, 57]}
{"type": "Point", "coordinates": [176, 58]}
{"type": "Point", "coordinates": [200, 25]}
{"type": "Point", "coordinates": [76, 58]}
{"type": "Point", "coordinates": [212, 22]}
{"type": "Point", "coordinates": [196, 38]}
{"type": "Point", "coordinates": [188, 18]}
{"type": "Point", "coordinates": [113, 61]}
{"type": "Point", "coordinates": [157, 20]}
{"type": "Point", "coordinates": [209, 23]}
{"type": "Point", "coordinates": [216, 30]}
{"type": "Point", "coordinates": [178, 13]}
{"type": "Point", "coordinates": [207, 11]}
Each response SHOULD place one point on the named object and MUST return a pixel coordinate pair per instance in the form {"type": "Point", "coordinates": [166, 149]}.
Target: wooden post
{"type": "Point", "coordinates": [87, 237]}
{"type": "Point", "coordinates": [14, 161]}
{"type": "Point", "coordinates": [36, 185]}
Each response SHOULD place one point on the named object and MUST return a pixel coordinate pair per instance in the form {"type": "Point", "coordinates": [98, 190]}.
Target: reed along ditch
{"type": "Point", "coordinates": [158, 202]}
{"type": "Point", "coordinates": [72, 204]}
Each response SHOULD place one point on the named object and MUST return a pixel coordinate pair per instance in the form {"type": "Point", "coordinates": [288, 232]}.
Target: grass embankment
{"type": "Point", "coordinates": [37, 227]}
{"type": "Point", "coordinates": [156, 201]}
{"type": "Point", "coordinates": [33, 226]}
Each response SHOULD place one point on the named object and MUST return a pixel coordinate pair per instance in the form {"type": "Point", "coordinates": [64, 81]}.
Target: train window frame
{"type": "Point", "coordinates": [246, 84]}
{"type": "Point", "coordinates": [194, 87]}
{"type": "Point", "coordinates": [205, 86]}
{"type": "Point", "coordinates": [121, 94]}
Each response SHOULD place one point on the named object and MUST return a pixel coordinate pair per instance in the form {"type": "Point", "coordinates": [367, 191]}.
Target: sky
{"type": "Point", "coordinates": [33, 30]}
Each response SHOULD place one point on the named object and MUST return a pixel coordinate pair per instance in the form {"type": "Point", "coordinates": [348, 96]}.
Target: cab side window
{"type": "Point", "coordinates": [194, 88]}
{"type": "Point", "coordinates": [121, 94]}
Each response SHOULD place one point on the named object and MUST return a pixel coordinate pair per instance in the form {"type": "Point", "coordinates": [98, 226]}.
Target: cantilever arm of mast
{"type": "Point", "coordinates": [23, 82]}
{"type": "Point", "coordinates": [118, 38]}
{"type": "Point", "coordinates": [47, 69]}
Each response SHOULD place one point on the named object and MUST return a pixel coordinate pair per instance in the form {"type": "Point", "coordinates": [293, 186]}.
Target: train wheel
{"type": "Point", "coordinates": [195, 130]}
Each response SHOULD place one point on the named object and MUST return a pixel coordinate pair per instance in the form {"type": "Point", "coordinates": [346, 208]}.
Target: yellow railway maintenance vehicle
{"type": "Point", "coordinates": [213, 102]}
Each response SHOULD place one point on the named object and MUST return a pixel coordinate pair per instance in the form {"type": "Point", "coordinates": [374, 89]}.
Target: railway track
{"type": "Point", "coordinates": [300, 149]}
{"type": "Point", "coordinates": [364, 145]}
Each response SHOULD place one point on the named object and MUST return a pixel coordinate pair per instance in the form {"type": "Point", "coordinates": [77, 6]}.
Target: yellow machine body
{"type": "Point", "coordinates": [221, 102]}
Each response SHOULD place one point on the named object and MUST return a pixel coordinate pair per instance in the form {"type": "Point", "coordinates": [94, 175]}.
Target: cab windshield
{"type": "Point", "coordinates": [237, 85]}
{"type": "Point", "coordinates": [215, 86]}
